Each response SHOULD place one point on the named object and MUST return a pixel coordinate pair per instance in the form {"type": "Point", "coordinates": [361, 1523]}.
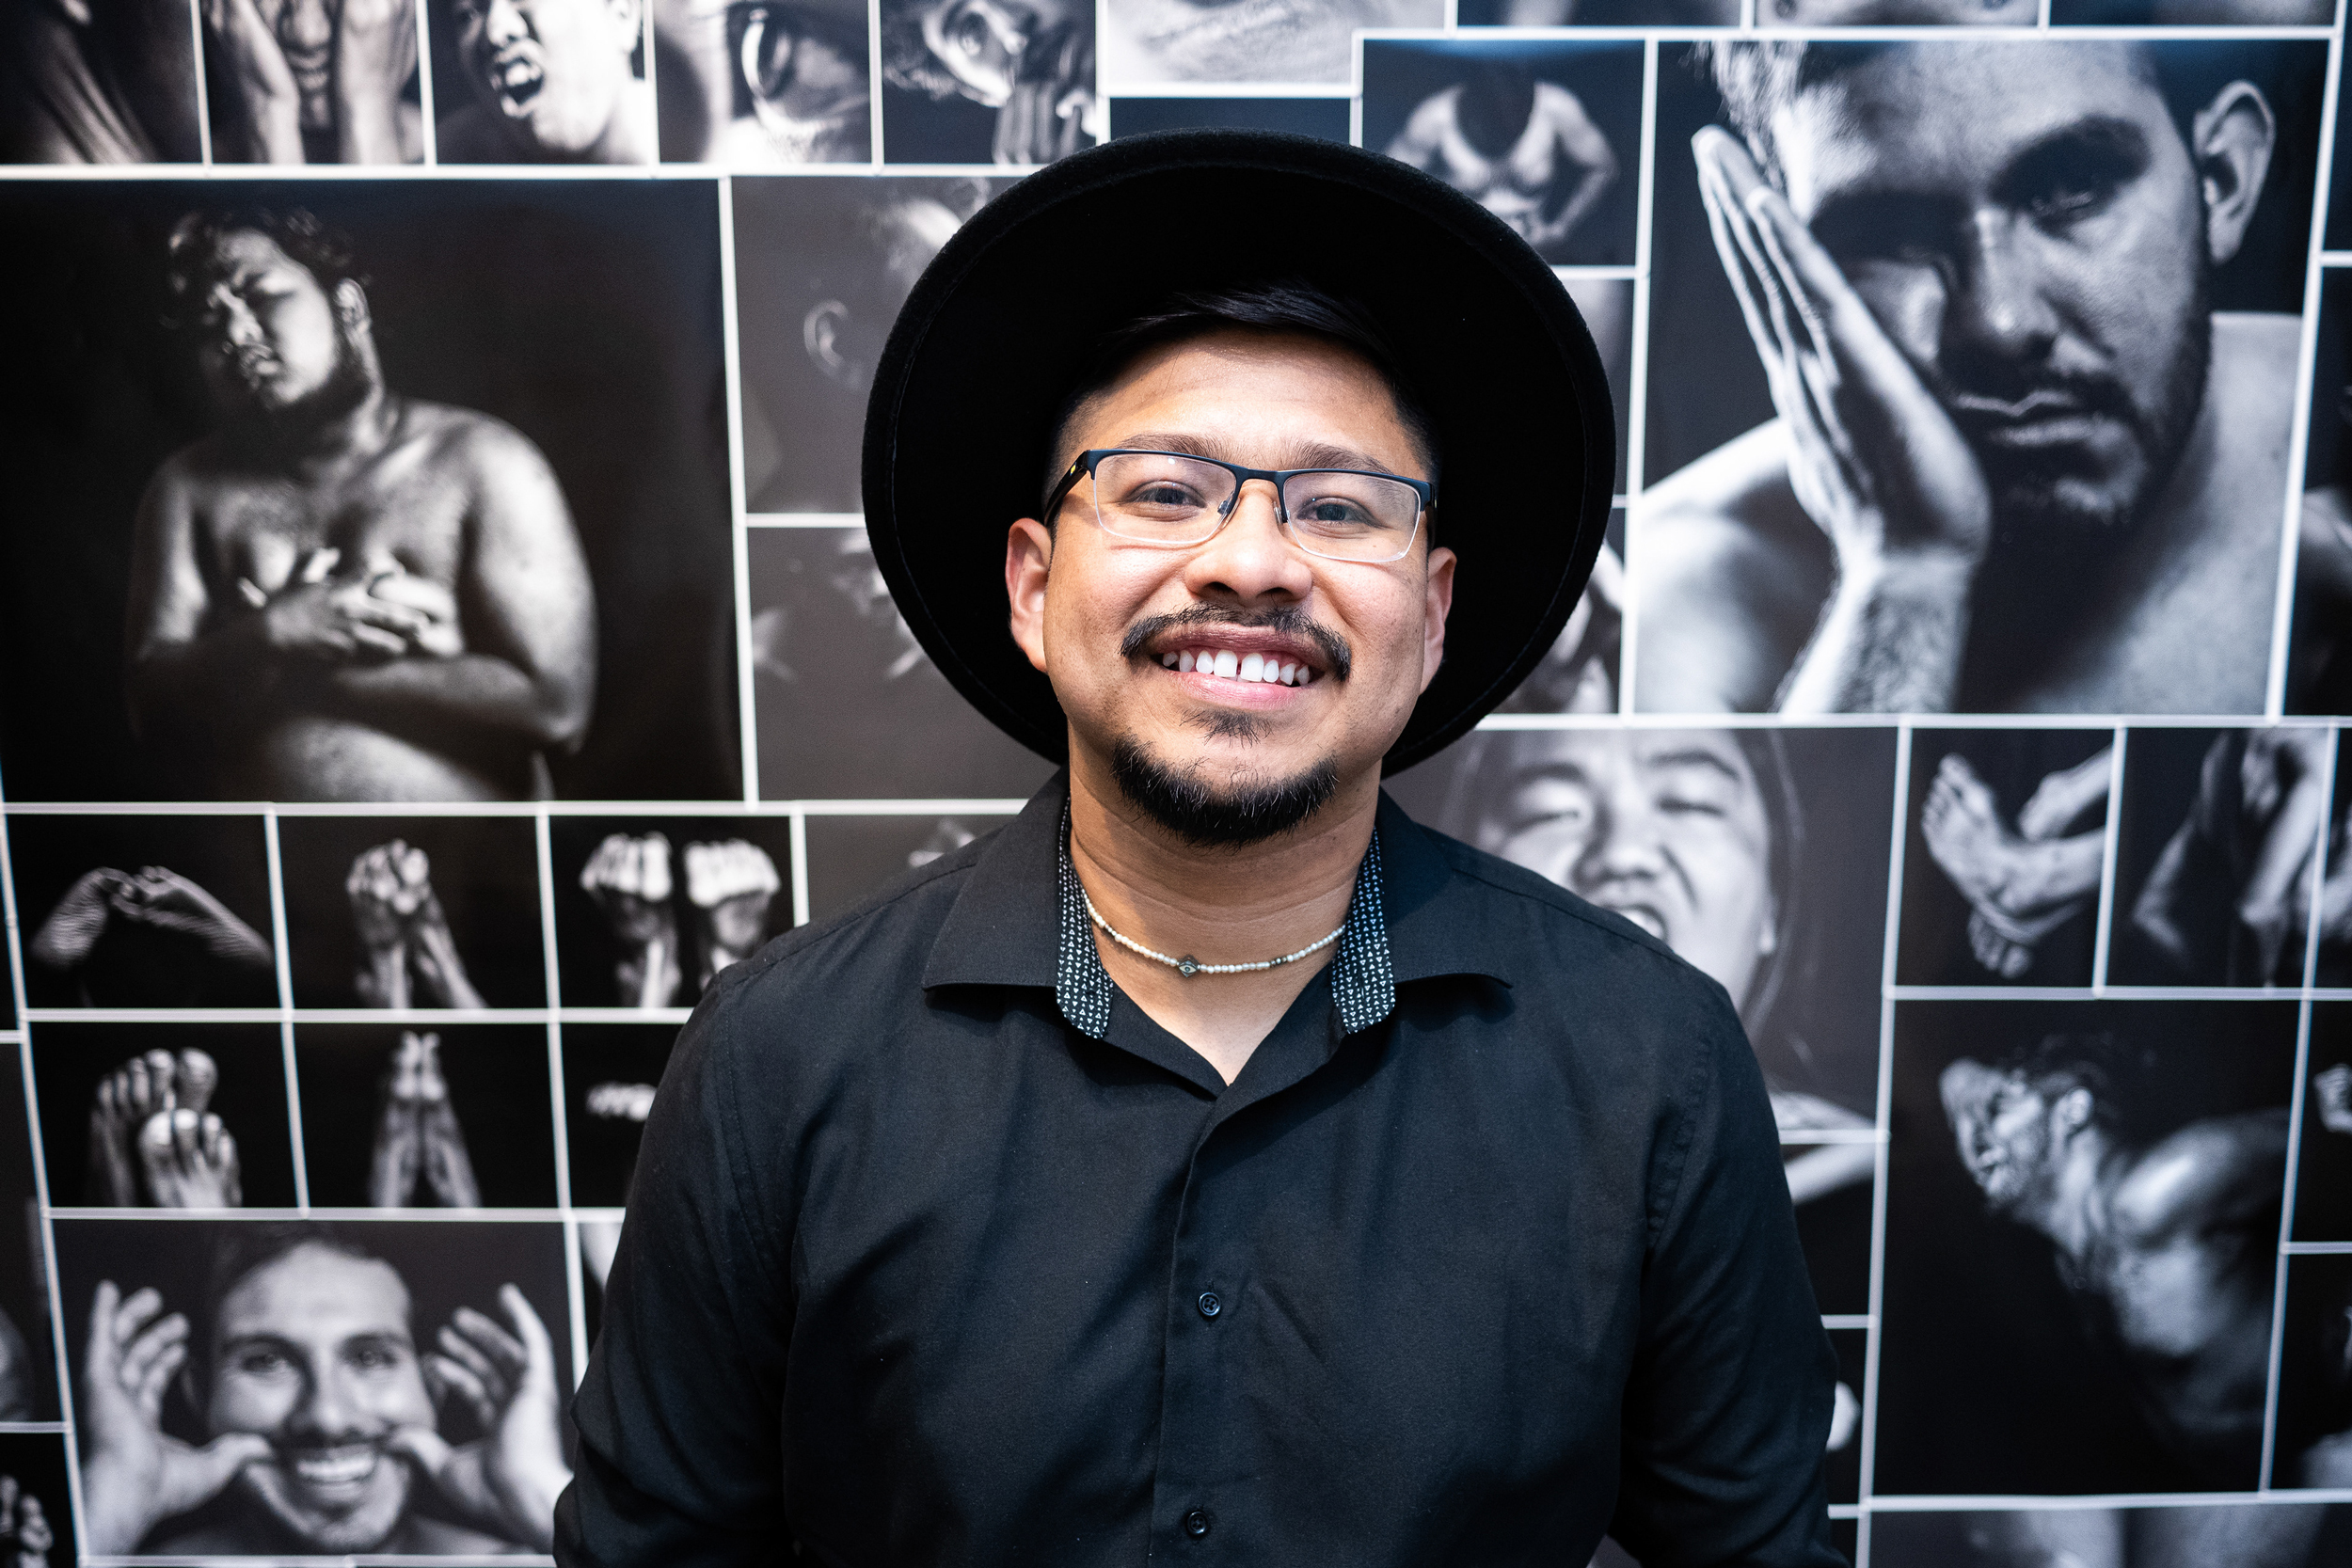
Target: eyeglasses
{"type": "Point", "coordinates": [1171, 498]}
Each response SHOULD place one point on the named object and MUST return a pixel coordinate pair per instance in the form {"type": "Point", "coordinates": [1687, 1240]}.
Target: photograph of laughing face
{"type": "Point", "coordinates": [541, 82]}
{"type": "Point", "coordinates": [2057, 284]}
{"type": "Point", "coordinates": [274, 1389]}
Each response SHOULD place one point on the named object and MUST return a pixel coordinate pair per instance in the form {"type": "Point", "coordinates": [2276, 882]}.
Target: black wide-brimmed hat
{"type": "Point", "coordinates": [999, 326]}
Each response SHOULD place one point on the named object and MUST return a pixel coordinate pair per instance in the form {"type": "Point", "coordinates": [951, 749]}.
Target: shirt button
{"type": "Point", "coordinates": [1199, 1522]}
{"type": "Point", "coordinates": [1210, 1304]}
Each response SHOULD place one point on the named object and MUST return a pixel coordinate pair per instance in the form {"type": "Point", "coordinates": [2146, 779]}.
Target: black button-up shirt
{"type": "Point", "coordinates": [917, 1270]}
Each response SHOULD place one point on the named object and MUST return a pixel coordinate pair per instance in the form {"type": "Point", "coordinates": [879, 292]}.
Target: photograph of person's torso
{"type": "Point", "coordinates": [463, 642]}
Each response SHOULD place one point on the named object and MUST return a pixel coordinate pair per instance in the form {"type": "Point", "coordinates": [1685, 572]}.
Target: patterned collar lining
{"type": "Point", "coordinates": [1363, 985]}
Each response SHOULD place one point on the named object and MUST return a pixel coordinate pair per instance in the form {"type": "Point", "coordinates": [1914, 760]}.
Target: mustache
{"type": "Point", "coordinates": [1282, 620]}
{"type": "Point", "coordinates": [2008, 396]}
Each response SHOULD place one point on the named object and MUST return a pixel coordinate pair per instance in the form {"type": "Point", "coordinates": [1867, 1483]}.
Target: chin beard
{"type": "Point", "coordinates": [1185, 806]}
{"type": "Point", "coordinates": [292, 423]}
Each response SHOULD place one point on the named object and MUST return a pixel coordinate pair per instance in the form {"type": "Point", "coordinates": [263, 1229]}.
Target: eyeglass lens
{"type": "Point", "coordinates": [1166, 499]}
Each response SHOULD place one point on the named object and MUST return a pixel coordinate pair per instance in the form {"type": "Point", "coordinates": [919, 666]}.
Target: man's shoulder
{"type": "Point", "coordinates": [2195, 1174]}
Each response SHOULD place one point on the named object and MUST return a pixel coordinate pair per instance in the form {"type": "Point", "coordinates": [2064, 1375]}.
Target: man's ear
{"type": "Point", "coordinates": [821, 333]}
{"type": "Point", "coordinates": [351, 303]}
{"type": "Point", "coordinates": [2072, 1109]}
{"type": "Point", "coordinates": [2230, 140]}
{"type": "Point", "coordinates": [1028, 563]}
{"type": "Point", "coordinates": [1436, 603]}
{"type": "Point", "coordinates": [628, 24]}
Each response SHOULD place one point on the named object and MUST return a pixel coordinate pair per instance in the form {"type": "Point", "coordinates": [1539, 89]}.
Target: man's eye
{"type": "Point", "coordinates": [261, 1363]}
{"type": "Point", "coordinates": [374, 1358]}
{"type": "Point", "coordinates": [1165, 496]}
{"type": "Point", "coordinates": [1688, 805]}
{"type": "Point", "coordinates": [1333, 511]}
{"type": "Point", "coordinates": [2070, 204]}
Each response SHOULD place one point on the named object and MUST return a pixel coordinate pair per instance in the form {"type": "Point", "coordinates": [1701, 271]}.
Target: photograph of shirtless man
{"type": "Point", "coordinates": [2015, 446]}
{"type": "Point", "coordinates": [2094, 1182]}
{"type": "Point", "coordinates": [386, 593]}
{"type": "Point", "coordinates": [1503, 124]}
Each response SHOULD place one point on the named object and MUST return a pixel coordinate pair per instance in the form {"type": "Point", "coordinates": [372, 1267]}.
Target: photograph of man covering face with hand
{"type": "Point", "coordinates": [2026, 317]}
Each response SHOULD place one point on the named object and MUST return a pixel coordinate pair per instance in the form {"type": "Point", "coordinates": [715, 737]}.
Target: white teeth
{"type": "Point", "coordinates": [1228, 663]}
{"type": "Point", "coordinates": [1168, 661]}
{"type": "Point", "coordinates": [1253, 666]}
{"type": "Point", "coordinates": [1288, 676]}
{"type": "Point", "coordinates": [1184, 660]}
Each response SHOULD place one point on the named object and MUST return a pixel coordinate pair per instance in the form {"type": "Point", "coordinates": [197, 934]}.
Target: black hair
{"type": "Point", "coordinates": [240, 1251]}
{"type": "Point", "coordinates": [1276, 305]}
{"type": "Point", "coordinates": [192, 255]}
{"type": "Point", "coordinates": [2095, 1062]}
{"type": "Point", "coordinates": [1760, 79]}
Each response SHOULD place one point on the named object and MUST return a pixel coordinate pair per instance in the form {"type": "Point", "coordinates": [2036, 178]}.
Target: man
{"type": "Point", "coordinates": [2017, 450]}
{"type": "Point", "coordinates": [304, 1371]}
{"type": "Point", "coordinates": [1694, 835]}
{"type": "Point", "coordinates": [1212, 1163]}
{"type": "Point", "coordinates": [2170, 1246]}
{"type": "Point", "coordinates": [313, 81]}
{"type": "Point", "coordinates": [552, 81]}
{"type": "Point", "coordinates": [1031, 61]}
{"type": "Point", "coordinates": [344, 593]}
{"type": "Point", "coordinates": [1523, 150]}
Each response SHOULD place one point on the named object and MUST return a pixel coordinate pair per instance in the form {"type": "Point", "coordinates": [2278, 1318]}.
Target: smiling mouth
{"type": "Point", "coordinates": [1250, 669]}
{"type": "Point", "coordinates": [515, 83]}
{"type": "Point", "coordinates": [336, 1472]}
{"type": "Point", "coordinates": [1642, 915]}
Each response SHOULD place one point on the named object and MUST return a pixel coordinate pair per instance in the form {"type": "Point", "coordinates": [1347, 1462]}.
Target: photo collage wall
{"type": "Point", "coordinates": [437, 635]}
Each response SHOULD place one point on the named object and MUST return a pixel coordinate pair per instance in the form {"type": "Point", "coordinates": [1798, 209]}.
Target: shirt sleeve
{"type": "Point", "coordinates": [1727, 1409]}
{"type": "Point", "coordinates": [680, 1416]}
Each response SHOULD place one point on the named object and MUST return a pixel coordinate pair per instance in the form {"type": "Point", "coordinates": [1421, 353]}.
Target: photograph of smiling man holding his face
{"type": "Point", "coordinates": [2017, 445]}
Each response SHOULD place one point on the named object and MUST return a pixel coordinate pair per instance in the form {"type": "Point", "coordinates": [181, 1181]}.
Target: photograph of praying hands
{"type": "Point", "coordinates": [2217, 860]}
{"type": "Point", "coordinates": [154, 1140]}
{"type": "Point", "coordinates": [267, 1390]}
{"type": "Point", "coordinates": [2007, 843]}
{"type": "Point", "coordinates": [407, 956]}
{"type": "Point", "coordinates": [313, 81]}
{"type": "Point", "coordinates": [659, 907]}
{"type": "Point", "coordinates": [420, 1157]}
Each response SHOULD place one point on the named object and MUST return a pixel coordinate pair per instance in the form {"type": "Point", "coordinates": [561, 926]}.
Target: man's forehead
{"type": "Point", "coordinates": [316, 1292]}
{"type": "Point", "coordinates": [1237, 391]}
{"type": "Point", "coordinates": [242, 254]}
{"type": "Point", "coordinates": [1940, 116]}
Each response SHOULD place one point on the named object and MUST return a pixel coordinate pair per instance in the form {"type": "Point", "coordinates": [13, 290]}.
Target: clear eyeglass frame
{"type": "Point", "coordinates": [1087, 461]}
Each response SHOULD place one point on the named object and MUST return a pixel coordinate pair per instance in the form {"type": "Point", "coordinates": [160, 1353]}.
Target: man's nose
{"type": "Point", "coordinates": [306, 24]}
{"type": "Point", "coordinates": [235, 324]}
{"type": "Point", "coordinates": [330, 1408]}
{"type": "Point", "coordinates": [504, 23]}
{"type": "Point", "coordinates": [1999, 305]}
{"type": "Point", "coordinates": [1624, 842]}
{"type": "Point", "coordinates": [1249, 560]}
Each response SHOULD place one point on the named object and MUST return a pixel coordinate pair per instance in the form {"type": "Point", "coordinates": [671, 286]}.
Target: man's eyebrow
{"type": "Point", "coordinates": [1301, 454]}
{"type": "Point", "coordinates": [2055, 156]}
{"type": "Point", "coordinates": [1693, 757]}
{"type": "Point", "coordinates": [271, 1341]}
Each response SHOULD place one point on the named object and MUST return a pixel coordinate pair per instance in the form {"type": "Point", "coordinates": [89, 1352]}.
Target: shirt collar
{"type": "Point", "coordinates": [1413, 916]}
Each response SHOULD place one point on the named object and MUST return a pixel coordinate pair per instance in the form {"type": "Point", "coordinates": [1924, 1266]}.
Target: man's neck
{"type": "Point", "coordinates": [354, 434]}
{"type": "Point", "coordinates": [2074, 1216]}
{"type": "Point", "coordinates": [1219, 904]}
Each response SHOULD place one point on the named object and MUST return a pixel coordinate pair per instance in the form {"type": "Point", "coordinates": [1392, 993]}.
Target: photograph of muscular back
{"type": "Point", "coordinates": [388, 593]}
{"type": "Point", "coordinates": [2015, 445]}
{"type": "Point", "coordinates": [2083, 1213]}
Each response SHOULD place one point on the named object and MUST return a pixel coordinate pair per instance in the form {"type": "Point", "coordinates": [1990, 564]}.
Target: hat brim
{"type": "Point", "coordinates": [994, 333]}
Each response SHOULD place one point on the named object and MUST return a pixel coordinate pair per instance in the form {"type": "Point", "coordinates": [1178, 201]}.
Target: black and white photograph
{"type": "Point", "coordinates": [1326, 118]}
{"type": "Point", "coordinates": [2315, 1444]}
{"type": "Point", "coordinates": [1907, 13]}
{"type": "Point", "coordinates": [2319, 649]}
{"type": "Point", "coordinates": [2189, 1535]}
{"type": "Point", "coordinates": [455, 1117]}
{"type": "Point", "coordinates": [2332, 956]}
{"type": "Point", "coordinates": [2192, 13]}
{"type": "Point", "coordinates": [2323, 1177]}
{"type": "Point", "coordinates": [649, 910]}
{"type": "Point", "coordinates": [2082, 1219]}
{"type": "Point", "coordinates": [1149, 42]}
{"type": "Point", "coordinates": [36, 1501]}
{"type": "Point", "coordinates": [847, 702]}
{"type": "Point", "coordinates": [413, 912]}
{"type": "Point", "coordinates": [988, 81]}
{"type": "Point", "coordinates": [541, 82]}
{"type": "Point", "coordinates": [2056, 286]}
{"type": "Point", "coordinates": [520, 587]}
{"type": "Point", "coordinates": [822, 266]}
{"type": "Point", "coordinates": [610, 1071]}
{"type": "Point", "coordinates": [760, 85]}
{"type": "Point", "coordinates": [1759, 855]}
{"type": "Point", "coordinates": [1544, 133]}
{"type": "Point", "coordinates": [144, 912]}
{"type": "Point", "coordinates": [1843, 1461]}
{"type": "Point", "coordinates": [28, 1370]}
{"type": "Point", "coordinates": [313, 81]}
{"type": "Point", "coordinates": [1599, 13]}
{"type": "Point", "coordinates": [1583, 670]}
{"type": "Point", "coordinates": [98, 84]}
{"type": "Point", "coordinates": [2217, 855]}
{"type": "Point", "coordinates": [164, 1115]}
{"type": "Point", "coordinates": [2005, 851]}
{"type": "Point", "coordinates": [318, 1388]}
{"type": "Point", "coordinates": [851, 859]}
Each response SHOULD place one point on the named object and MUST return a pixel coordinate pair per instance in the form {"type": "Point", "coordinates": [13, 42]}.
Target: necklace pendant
{"type": "Point", "coordinates": [1187, 966]}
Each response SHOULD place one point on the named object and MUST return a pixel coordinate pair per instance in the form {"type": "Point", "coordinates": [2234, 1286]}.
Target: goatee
{"type": "Point", "coordinates": [1180, 802]}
